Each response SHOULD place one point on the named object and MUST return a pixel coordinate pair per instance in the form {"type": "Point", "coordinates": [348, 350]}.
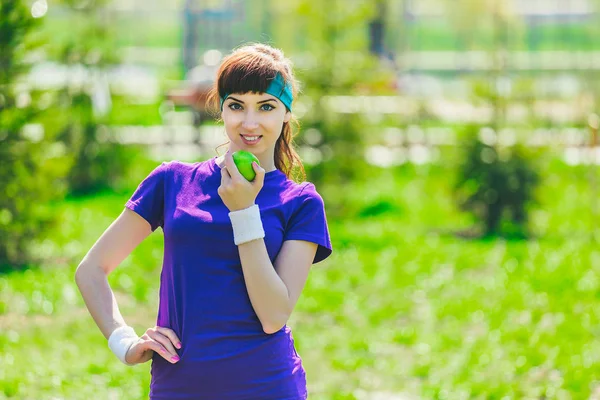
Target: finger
{"type": "Point", "coordinates": [164, 341]}
{"type": "Point", "coordinates": [225, 177]}
{"type": "Point", "coordinates": [231, 167]}
{"type": "Point", "coordinates": [260, 174]}
{"type": "Point", "coordinates": [170, 333]}
{"type": "Point", "coordinates": [147, 343]}
{"type": "Point", "coordinates": [159, 349]}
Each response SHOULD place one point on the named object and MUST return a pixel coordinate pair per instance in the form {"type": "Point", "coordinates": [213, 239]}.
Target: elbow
{"type": "Point", "coordinates": [271, 329]}
{"type": "Point", "coordinates": [79, 273]}
{"type": "Point", "coordinates": [82, 274]}
{"type": "Point", "coordinates": [277, 320]}
{"type": "Point", "coordinates": [80, 277]}
{"type": "Point", "coordinates": [275, 325]}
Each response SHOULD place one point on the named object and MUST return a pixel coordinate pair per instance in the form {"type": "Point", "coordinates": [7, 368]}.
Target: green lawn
{"type": "Point", "coordinates": [403, 306]}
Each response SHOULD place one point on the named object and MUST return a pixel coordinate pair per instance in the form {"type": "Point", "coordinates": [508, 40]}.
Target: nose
{"type": "Point", "coordinates": [250, 121]}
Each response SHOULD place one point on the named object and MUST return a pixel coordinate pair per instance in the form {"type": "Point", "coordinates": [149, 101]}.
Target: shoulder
{"type": "Point", "coordinates": [309, 193]}
{"type": "Point", "coordinates": [302, 193]}
{"type": "Point", "coordinates": [182, 166]}
{"type": "Point", "coordinates": [308, 189]}
{"type": "Point", "coordinates": [178, 169]}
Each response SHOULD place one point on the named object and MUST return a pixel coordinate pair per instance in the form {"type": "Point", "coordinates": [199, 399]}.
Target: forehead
{"type": "Point", "coordinates": [252, 97]}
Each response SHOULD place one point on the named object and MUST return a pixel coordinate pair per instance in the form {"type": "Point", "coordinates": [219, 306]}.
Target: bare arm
{"type": "Point", "coordinates": [115, 244]}
{"type": "Point", "coordinates": [274, 291]}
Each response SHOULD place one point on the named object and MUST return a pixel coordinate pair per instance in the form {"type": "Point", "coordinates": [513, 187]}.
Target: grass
{"type": "Point", "coordinates": [402, 309]}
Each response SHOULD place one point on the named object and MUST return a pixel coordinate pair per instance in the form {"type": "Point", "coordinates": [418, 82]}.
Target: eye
{"type": "Point", "coordinates": [267, 107]}
{"type": "Point", "coordinates": [235, 106]}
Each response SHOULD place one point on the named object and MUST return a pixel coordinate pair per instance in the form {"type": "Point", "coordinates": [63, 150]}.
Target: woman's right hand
{"type": "Point", "coordinates": [159, 340]}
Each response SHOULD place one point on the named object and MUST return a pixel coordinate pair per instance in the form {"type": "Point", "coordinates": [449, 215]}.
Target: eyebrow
{"type": "Point", "coordinates": [239, 101]}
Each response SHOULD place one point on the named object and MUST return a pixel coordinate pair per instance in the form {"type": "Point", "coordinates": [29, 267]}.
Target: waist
{"type": "Point", "coordinates": [228, 368]}
{"type": "Point", "coordinates": [237, 346]}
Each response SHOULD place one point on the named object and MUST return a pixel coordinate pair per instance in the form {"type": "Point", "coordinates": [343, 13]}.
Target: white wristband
{"type": "Point", "coordinates": [120, 340]}
{"type": "Point", "coordinates": [247, 225]}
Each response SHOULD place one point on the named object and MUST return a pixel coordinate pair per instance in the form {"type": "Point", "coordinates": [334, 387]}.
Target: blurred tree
{"type": "Point", "coordinates": [496, 184]}
{"type": "Point", "coordinates": [31, 166]}
{"type": "Point", "coordinates": [99, 160]}
{"type": "Point", "coordinates": [340, 65]}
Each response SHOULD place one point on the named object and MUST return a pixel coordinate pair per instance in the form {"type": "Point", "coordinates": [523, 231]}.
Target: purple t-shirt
{"type": "Point", "coordinates": [225, 354]}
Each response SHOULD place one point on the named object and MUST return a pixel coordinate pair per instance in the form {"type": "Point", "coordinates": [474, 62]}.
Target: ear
{"type": "Point", "coordinates": [287, 117]}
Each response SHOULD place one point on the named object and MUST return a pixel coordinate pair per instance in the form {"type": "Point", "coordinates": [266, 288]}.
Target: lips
{"type": "Point", "coordinates": [251, 139]}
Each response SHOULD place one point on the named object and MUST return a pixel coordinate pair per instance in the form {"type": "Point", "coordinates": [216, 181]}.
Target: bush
{"type": "Point", "coordinates": [496, 184]}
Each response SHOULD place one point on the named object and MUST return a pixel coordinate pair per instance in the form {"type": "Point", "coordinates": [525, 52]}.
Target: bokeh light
{"type": "Point", "coordinates": [39, 8]}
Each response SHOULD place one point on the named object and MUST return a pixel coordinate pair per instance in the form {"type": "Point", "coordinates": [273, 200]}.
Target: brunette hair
{"type": "Point", "coordinates": [251, 68]}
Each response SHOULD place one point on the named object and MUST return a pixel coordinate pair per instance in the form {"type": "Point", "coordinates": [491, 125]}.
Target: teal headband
{"type": "Point", "coordinates": [277, 88]}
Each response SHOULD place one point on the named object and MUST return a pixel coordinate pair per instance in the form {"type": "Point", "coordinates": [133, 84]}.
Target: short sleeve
{"type": "Point", "coordinates": [149, 198]}
{"type": "Point", "coordinates": [308, 222]}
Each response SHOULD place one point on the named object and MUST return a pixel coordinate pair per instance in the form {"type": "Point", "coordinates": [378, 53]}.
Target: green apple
{"type": "Point", "coordinates": [243, 161]}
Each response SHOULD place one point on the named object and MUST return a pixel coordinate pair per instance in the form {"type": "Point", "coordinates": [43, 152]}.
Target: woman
{"type": "Point", "coordinates": [236, 253]}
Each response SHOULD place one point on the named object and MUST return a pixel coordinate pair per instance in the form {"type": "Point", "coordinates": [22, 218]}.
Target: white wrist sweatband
{"type": "Point", "coordinates": [121, 340]}
{"type": "Point", "coordinates": [247, 225]}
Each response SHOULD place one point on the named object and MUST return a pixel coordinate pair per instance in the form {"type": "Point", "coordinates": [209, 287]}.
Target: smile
{"type": "Point", "coordinates": [251, 139]}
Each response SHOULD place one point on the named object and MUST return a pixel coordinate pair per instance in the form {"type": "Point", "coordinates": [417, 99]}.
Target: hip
{"type": "Point", "coordinates": [227, 379]}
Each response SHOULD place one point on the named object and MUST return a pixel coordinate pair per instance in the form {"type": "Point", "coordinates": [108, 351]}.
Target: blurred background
{"type": "Point", "coordinates": [454, 142]}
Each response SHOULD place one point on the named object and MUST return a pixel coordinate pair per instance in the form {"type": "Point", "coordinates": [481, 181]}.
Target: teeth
{"type": "Point", "coordinates": [251, 138]}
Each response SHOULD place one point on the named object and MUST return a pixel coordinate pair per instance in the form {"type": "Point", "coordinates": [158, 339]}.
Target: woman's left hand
{"type": "Point", "coordinates": [235, 191]}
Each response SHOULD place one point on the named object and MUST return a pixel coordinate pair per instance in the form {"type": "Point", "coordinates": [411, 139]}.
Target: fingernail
{"type": "Point", "coordinates": [175, 359]}
{"type": "Point", "coordinates": [178, 345]}
{"type": "Point", "coordinates": [163, 351]}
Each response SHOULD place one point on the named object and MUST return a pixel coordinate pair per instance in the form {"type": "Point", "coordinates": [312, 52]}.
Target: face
{"type": "Point", "coordinates": [253, 122]}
